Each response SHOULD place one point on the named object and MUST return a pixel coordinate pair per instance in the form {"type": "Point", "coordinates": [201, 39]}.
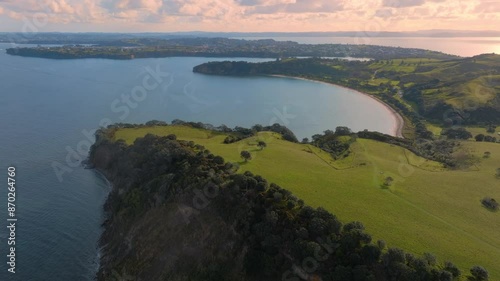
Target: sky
{"type": "Point", "coordinates": [247, 15]}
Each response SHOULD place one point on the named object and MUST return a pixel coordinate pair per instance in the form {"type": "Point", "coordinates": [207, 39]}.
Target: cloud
{"type": "Point", "coordinates": [402, 3]}
{"type": "Point", "coordinates": [15, 15]}
{"type": "Point", "coordinates": [292, 6]}
{"type": "Point", "coordinates": [256, 15]}
{"type": "Point", "coordinates": [61, 7]}
{"type": "Point", "coordinates": [249, 2]}
{"type": "Point", "coordinates": [264, 2]}
{"type": "Point", "coordinates": [124, 5]}
{"type": "Point", "coordinates": [383, 13]}
{"type": "Point", "coordinates": [54, 11]}
{"type": "Point", "coordinates": [488, 7]}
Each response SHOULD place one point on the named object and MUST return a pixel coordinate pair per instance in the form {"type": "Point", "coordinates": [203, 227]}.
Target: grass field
{"type": "Point", "coordinates": [464, 82]}
{"type": "Point", "coordinates": [426, 209]}
{"type": "Point", "coordinates": [478, 130]}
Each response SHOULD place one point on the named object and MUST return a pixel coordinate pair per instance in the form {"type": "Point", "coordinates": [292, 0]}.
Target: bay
{"type": "Point", "coordinates": [50, 107]}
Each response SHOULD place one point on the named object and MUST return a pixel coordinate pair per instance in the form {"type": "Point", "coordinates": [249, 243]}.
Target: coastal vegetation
{"type": "Point", "coordinates": [424, 208]}
{"type": "Point", "coordinates": [178, 210]}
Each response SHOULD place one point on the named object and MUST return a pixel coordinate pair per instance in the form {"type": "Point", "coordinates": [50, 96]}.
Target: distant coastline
{"type": "Point", "coordinates": [397, 129]}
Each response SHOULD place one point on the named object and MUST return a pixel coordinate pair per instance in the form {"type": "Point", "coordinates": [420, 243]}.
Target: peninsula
{"type": "Point", "coordinates": [184, 205]}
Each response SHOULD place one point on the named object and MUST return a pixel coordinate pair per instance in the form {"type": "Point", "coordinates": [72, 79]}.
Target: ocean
{"type": "Point", "coordinates": [50, 108]}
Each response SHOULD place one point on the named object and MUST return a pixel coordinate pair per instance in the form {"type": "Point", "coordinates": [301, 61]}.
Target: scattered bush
{"type": "Point", "coordinates": [490, 139]}
{"type": "Point", "coordinates": [479, 273]}
{"type": "Point", "coordinates": [388, 181]}
{"type": "Point", "coordinates": [261, 144]}
{"type": "Point", "coordinates": [246, 155]}
{"type": "Point", "coordinates": [490, 203]}
{"type": "Point", "coordinates": [453, 269]}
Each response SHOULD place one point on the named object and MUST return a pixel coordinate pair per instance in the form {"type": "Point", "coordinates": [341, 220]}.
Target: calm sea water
{"type": "Point", "coordinates": [48, 105]}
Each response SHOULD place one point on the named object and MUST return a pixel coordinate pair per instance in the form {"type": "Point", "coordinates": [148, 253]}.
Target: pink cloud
{"type": "Point", "coordinates": [259, 15]}
{"type": "Point", "coordinates": [292, 6]}
{"type": "Point", "coordinates": [15, 15]}
{"type": "Point", "coordinates": [121, 5]}
{"type": "Point", "coordinates": [61, 7]}
{"type": "Point", "coordinates": [402, 3]}
{"type": "Point", "coordinates": [488, 7]}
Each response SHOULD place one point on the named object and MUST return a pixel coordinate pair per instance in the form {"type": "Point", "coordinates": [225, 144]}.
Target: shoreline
{"type": "Point", "coordinates": [397, 129]}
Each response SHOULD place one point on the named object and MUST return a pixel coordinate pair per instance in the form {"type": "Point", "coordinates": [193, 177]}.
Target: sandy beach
{"type": "Point", "coordinates": [398, 128]}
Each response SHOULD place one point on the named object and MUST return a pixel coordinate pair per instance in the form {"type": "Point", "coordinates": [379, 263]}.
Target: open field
{"type": "Point", "coordinates": [426, 209]}
{"type": "Point", "coordinates": [478, 130]}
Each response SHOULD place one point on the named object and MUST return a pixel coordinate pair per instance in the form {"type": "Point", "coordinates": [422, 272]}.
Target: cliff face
{"type": "Point", "coordinates": [164, 222]}
{"type": "Point", "coordinates": [177, 212]}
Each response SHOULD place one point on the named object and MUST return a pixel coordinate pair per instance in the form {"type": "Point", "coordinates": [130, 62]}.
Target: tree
{"type": "Point", "coordinates": [490, 139]}
{"type": "Point", "coordinates": [459, 133]}
{"type": "Point", "coordinates": [342, 131]}
{"type": "Point", "coordinates": [393, 255]}
{"type": "Point", "coordinates": [261, 145]}
{"type": "Point", "coordinates": [246, 155]}
{"type": "Point", "coordinates": [305, 140]}
{"type": "Point", "coordinates": [490, 203]}
{"type": "Point", "coordinates": [300, 203]}
{"type": "Point", "coordinates": [329, 132]}
{"type": "Point", "coordinates": [479, 273]}
{"type": "Point", "coordinates": [388, 181]}
{"type": "Point", "coordinates": [451, 268]}
{"type": "Point", "coordinates": [258, 128]}
{"type": "Point", "coordinates": [218, 160]}
{"type": "Point", "coordinates": [430, 259]}
{"type": "Point", "coordinates": [479, 137]}
{"type": "Point", "coordinates": [381, 244]}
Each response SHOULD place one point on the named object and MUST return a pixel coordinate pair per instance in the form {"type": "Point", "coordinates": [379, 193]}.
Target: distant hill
{"type": "Point", "coordinates": [138, 47]}
{"type": "Point", "coordinates": [100, 37]}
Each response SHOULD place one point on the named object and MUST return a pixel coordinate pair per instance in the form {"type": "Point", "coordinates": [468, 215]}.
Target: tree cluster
{"type": "Point", "coordinates": [482, 137]}
{"type": "Point", "coordinates": [457, 134]}
{"type": "Point", "coordinates": [240, 133]}
{"type": "Point", "coordinates": [336, 143]}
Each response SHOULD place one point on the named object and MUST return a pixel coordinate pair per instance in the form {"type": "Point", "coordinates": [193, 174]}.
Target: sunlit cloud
{"type": "Point", "coordinates": [253, 15]}
{"type": "Point", "coordinates": [488, 7]}
{"type": "Point", "coordinates": [402, 3]}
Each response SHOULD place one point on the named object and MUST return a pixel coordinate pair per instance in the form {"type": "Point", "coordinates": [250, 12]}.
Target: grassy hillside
{"type": "Point", "coordinates": [426, 209]}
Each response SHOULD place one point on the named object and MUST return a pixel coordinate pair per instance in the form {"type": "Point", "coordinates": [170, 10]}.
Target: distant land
{"type": "Point", "coordinates": [132, 48]}
{"type": "Point", "coordinates": [99, 37]}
